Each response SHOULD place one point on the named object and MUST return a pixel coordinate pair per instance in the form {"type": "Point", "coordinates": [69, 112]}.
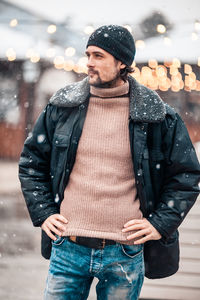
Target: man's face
{"type": "Point", "coordinates": [103, 68]}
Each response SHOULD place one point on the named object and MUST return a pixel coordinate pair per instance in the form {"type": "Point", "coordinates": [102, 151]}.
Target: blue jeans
{"type": "Point", "coordinates": [119, 268]}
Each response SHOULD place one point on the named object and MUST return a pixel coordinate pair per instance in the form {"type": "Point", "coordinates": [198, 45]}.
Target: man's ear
{"type": "Point", "coordinates": [122, 66]}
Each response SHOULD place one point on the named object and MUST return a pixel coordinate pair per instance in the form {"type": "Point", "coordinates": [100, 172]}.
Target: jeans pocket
{"type": "Point", "coordinates": [59, 241]}
{"type": "Point", "coordinates": [132, 251]}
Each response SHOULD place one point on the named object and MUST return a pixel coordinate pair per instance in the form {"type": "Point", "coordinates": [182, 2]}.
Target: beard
{"type": "Point", "coordinates": [99, 83]}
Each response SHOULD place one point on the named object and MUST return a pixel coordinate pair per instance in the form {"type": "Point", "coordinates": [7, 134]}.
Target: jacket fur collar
{"type": "Point", "coordinates": [145, 104]}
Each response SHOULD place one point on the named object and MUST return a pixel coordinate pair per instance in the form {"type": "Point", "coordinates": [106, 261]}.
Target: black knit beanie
{"type": "Point", "coordinates": [116, 40]}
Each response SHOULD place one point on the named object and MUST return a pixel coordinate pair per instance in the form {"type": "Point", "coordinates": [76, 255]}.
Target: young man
{"type": "Point", "coordinates": [109, 171]}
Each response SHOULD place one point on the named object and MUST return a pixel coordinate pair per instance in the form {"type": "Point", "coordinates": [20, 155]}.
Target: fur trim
{"type": "Point", "coordinates": [145, 104]}
{"type": "Point", "coordinates": [72, 95]}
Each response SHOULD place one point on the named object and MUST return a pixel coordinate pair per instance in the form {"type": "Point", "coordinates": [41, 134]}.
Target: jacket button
{"type": "Point", "coordinates": [82, 106]}
{"type": "Point", "coordinates": [139, 172]}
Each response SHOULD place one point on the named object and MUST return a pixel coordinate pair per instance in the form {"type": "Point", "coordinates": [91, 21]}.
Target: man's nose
{"type": "Point", "coordinates": [90, 62]}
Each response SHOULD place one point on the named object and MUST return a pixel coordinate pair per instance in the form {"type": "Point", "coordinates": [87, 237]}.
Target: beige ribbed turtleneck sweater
{"type": "Point", "coordinates": [101, 196]}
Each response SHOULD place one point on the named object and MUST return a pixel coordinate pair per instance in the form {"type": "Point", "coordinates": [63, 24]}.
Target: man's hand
{"type": "Point", "coordinates": [145, 231]}
{"type": "Point", "coordinates": [54, 224]}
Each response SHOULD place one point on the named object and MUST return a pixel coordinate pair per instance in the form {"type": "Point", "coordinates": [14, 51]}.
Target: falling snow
{"type": "Point", "coordinates": [170, 203]}
{"type": "Point", "coordinates": [40, 138]}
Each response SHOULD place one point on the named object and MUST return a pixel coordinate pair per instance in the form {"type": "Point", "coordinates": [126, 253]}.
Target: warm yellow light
{"type": "Point", "coordinates": [153, 83]}
{"type": "Point", "coordinates": [11, 55]}
{"type": "Point", "coordinates": [83, 61]}
{"type": "Point", "coordinates": [161, 71]}
{"type": "Point", "coordinates": [59, 62]}
{"type": "Point", "coordinates": [152, 63]}
{"type": "Point", "coordinates": [187, 69]}
{"type": "Point", "coordinates": [147, 72]}
{"type": "Point", "coordinates": [68, 65]}
{"type": "Point", "coordinates": [78, 69]}
{"type": "Point", "coordinates": [173, 70]}
{"type": "Point", "coordinates": [51, 29]}
{"type": "Point", "coordinates": [198, 85]}
{"type": "Point", "coordinates": [197, 25]}
{"type": "Point", "coordinates": [70, 51]}
{"type": "Point", "coordinates": [194, 36]}
{"type": "Point", "coordinates": [89, 29]}
{"type": "Point", "coordinates": [175, 88]}
{"type": "Point", "coordinates": [128, 27]}
{"type": "Point", "coordinates": [13, 23]}
{"type": "Point", "coordinates": [30, 52]}
{"type": "Point", "coordinates": [192, 75]}
{"type": "Point", "coordinates": [35, 58]}
{"type": "Point", "coordinates": [167, 63]}
{"type": "Point", "coordinates": [161, 28]}
{"type": "Point", "coordinates": [164, 84]}
{"type": "Point", "coordinates": [133, 64]}
{"type": "Point", "coordinates": [136, 73]}
{"type": "Point", "coordinates": [82, 64]}
{"type": "Point", "coordinates": [51, 52]}
{"type": "Point", "coordinates": [140, 44]}
{"type": "Point", "coordinates": [176, 62]}
{"type": "Point", "coordinates": [167, 41]}
{"type": "Point", "coordinates": [190, 82]}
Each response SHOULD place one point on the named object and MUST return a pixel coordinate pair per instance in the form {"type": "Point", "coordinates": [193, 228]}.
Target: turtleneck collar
{"type": "Point", "coordinates": [110, 92]}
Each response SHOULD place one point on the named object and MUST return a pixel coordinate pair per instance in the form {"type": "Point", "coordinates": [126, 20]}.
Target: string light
{"type": "Point", "coordinates": [13, 23]}
{"type": "Point", "coordinates": [133, 64]}
{"type": "Point", "coordinates": [51, 29]}
{"type": "Point", "coordinates": [35, 57]}
{"type": "Point", "coordinates": [194, 36]}
{"type": "Point", "coordinates": [68, 65]}
{"type": "Point", "coordinates": [70, 51]}
{"type": "Point", "coordinates": [176, 62]}
{"type": "Point", "coordinates": [161, 28]}
{"type": "Point", "coordinates": [11, 55]}
{"type": "Point", "coordinates": [88, 29]}
{"type": "Point", "coordinates": [59, 62]}
{"type": "Point", "coordinates": [167, 63]}
{"type": "Point", "coordinates": [197, 26]}
{"type": "Point", "coordinates": [140, 44]}
{"type": "Point", "coordinates": [152, 63]}
{"type": "Point", "coordinates": [187, 69]}
{"type": "Point", "coordinates": [161, 71]}
{"type": "Point", "coordinates": [153, 75]}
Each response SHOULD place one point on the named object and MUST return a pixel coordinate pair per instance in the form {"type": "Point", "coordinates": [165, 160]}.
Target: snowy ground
{"type": "Point", "coordinates": [23, 271]}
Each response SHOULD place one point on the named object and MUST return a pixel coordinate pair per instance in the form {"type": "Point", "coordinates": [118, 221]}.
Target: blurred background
{"type": "Point", "coordinates": [42, 48]}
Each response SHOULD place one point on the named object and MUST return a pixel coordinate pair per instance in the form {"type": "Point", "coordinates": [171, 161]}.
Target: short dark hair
{"type": "Point", "coordinates": [125, 72]}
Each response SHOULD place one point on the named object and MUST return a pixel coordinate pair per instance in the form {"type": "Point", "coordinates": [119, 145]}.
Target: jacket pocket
{"type": "Point", "coordinates": [161, 257]}
{"type": "Point", "coordinates": [60, 145]}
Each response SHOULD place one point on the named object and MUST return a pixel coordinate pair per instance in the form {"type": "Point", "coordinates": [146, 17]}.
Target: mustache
{"type": "Point", "coordinates": [92, 71]}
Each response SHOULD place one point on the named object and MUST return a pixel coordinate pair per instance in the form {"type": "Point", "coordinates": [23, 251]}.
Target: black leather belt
{"type": "Point", "coordinates": [90, 242]}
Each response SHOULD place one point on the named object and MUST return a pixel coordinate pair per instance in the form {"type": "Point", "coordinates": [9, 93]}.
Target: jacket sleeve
{"type": "Point", "coordinates": [34, 169]}
{"type": "Point", "coordinates": [181, 178]}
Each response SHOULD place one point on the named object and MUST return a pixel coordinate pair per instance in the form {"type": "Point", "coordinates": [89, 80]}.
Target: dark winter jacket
{"type": "Point", "coordinates": [166, 168]}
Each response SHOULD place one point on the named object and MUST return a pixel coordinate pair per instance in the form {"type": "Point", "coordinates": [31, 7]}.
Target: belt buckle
{"type": "Point", "coordinates": [103, 243]}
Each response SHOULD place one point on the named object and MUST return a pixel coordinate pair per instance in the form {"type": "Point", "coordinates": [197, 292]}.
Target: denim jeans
{"type": "Point", "coordinates": [119, 268]}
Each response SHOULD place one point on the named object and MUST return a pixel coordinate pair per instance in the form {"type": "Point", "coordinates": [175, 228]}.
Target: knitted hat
{"type": "Point", "coordinates": [116, 40]}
